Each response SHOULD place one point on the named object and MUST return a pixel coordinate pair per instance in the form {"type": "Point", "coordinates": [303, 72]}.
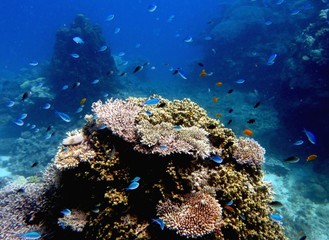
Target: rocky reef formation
{"type": "Point", "coordinates": [153, 171]}
{"type": "Point", "coordinates": [81, 59]}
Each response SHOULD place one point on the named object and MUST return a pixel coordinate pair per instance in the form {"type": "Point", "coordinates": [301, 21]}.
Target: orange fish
{"type": "Point", "coordinates": [83, 100]}
{"type": "Point", "coordinates": [219, 83]}
{"type": "Point", "coordinates": [218, 114]}
{"type": "Point", "coordinates": [248, 132]}
{"type": "Point", "coordinates": [203, 73]}
{"type": "Point", "coordinates": [215, 99]}
{"type": "Point", "coordinates": [311, 157]}
{"type": "Point", "coordinates": [229, 208]}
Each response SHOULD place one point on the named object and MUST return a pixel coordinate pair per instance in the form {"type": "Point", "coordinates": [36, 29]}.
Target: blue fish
{"type": "Point", "coordinates": [19, 122]}
{"type": "Point", "coordinates": [240, 81]}
{"type": "Point", "coordinates": [152, 7]}
{"type": "Point", "coordinates": [23, 116]}
{"type": "Point", "coordinates": [102, 48]}
{"type": "Point", "coordinates": [66, 212]}
{"type": "Point", "coordinates": [65, 87]}
{"type": "Point", "coordinates": [188, 39]}
{"type": "Point", "coordinates": [75, 55]}
{"type": "Point", "coordinates": [148, 112]}
{"type": "Point", "coordinates": [79, 110]}
{"type": "Point", "coordinates": [177, 127]}
{"type": "Point", "coordinates": [136, 179]}
{"type": "Point", "coordinates": [30, 235]}
{"type": "Point", "coordinates": [132, 186]}
{"type": "Point", "coordinates": [10, 103]}
{"type": "Point", "coordinates": [276, 217]}
{"type": "Point", "coordinates": [46, 106]}
{"type": "Point", "coordinates": [298, 142]}
{"type": "Point", "coordinates": [163, 146]}
{"type": "Point", "coordinates": [78, 40]}
{"type": "Point", "coordinates": [33, 126]}
{"type": "Point", "coordinates": [271, 59]}
{"type": "Point", "coordinates": [310, 136]}
{"type": "Point", "coordinates": [160, 222]}
{"type": "Point", "coordinates": [95, 81]}
{"type": "Point", "coordinates": [109, 18]}
{"type": "Point", "coordinates": [182, 74]}
{"type": "Point", "coordinates": [63, 116]}
{"type": "Point", "coordinates": [216, 159]}
{"type": "Point", "coordinates": [294, 12]}
{"type": "Point", "coordinates": [229, 203]}
{"type": "Point", "coordinates": [152, 101]}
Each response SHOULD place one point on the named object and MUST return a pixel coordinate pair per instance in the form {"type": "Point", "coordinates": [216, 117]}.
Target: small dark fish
{"type": "Point", "coordinates": [303, 238]}
{"type": "Point", "coordinates": [211, 126]}
{"type": "Point", "coordinates": [251, 121]}
{"type": "Point", "coordinates": [49, 128]}
{"type": "Point", "coordinates": [292, 159]}
{"type": "Point", "coordinates": [163, 104]}
{"type": "Point", "coordinates": [26, 95]}
{"type": "Point", "coordinates": [230, 110]}
{"type": "Point", "coordinates": [20, 190]}
{"type": "Point", "coordinates": [210, 22]}
{"type": "Point", "coordinates": [75, 85]}
{"type": "Point", "coordinates": [34, 164]}
{"type": "Point", "coordinates": [175, 72]}
{"type": "Point", "coordinates": [230, 91]}
{"type": "Point", "coordinates": [276, 204]}
{"type": "Point", "coordinates": [229, 144]}
{"type": "Point", "coordinates": [257, 104]}
{"type": "Point", "coordinates": [123, 74]}
{"type": "Point", "coordinates": [229, 122]}
{"type": "Point", "coordinates": [138, 69]}
{"type": "Point", "coordinates": [201, 64]}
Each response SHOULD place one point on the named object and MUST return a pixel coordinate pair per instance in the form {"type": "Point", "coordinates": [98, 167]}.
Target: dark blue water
{"type": "Point", "coordinates": [232, 39]}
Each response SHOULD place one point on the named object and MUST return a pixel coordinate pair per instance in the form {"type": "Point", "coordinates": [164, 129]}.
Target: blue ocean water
{"type": "Point", "coordinates": [230, 40]}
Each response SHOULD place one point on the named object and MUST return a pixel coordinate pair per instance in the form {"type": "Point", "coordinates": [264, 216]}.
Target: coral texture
{"type": "Point", "coordinates": [119, 116]}
{"type": "Point", "coordinates": [248, 151]}
{"type": "Point", "coordinates": [197, 215]}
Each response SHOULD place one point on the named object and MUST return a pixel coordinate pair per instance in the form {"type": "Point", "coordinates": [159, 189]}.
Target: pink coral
{"type": "Point", "coordinates": [248, 151]}
{"type": "Point", "coordinates": [119, 116]}
{"type": "Point", "coordinates": [197, 215]}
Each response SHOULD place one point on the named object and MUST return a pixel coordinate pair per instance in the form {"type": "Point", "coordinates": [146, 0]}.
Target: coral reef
{"type": "Point", "coordinates": [119, 185]}
{"type": "Point", "coordinates": [248, 151]}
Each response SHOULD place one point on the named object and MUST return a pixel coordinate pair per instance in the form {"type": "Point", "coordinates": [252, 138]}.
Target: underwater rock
{"type": "Point", "coordinates": [179, 186]}
{"type": "Point", "coordinates": [77, 58]}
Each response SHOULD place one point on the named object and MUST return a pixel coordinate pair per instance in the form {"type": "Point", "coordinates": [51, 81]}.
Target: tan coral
{"type": "Point", "coordinates": [76, 220]}
{"type": "Point", "coordinates": [72, 155]}
{"type": "Point", "coordinates": [197, 215]}
{"type": "Point", "coordinates": [119, 116]}
{"type": "Point", "coordinates": [248, 151]}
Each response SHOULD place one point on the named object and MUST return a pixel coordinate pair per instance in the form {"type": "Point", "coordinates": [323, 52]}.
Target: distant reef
{"type": "Point", "coordinates": [146, 169]}
{"type": "Point", "coordinates": [81, 59]}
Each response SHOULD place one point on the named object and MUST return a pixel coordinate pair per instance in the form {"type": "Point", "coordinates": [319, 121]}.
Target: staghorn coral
{"type": "Point", "coordinates": [119, 116]}
{"type": "Point", "coordinates": [197, 215]}
{"type": "Point", "coordinates": [248, 151]}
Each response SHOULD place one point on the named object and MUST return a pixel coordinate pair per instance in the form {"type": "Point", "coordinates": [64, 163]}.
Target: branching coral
{"type": "Point", "coordinates": [76, 220]}
{"type": "Point", "coordinates": [119, 116]}
{"type": "Point", "coordinates": [248, 151]}
{"type": "Point", "coordinates": [197, 215]}
{"type": "Point", "coordinates": [164, 139]}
